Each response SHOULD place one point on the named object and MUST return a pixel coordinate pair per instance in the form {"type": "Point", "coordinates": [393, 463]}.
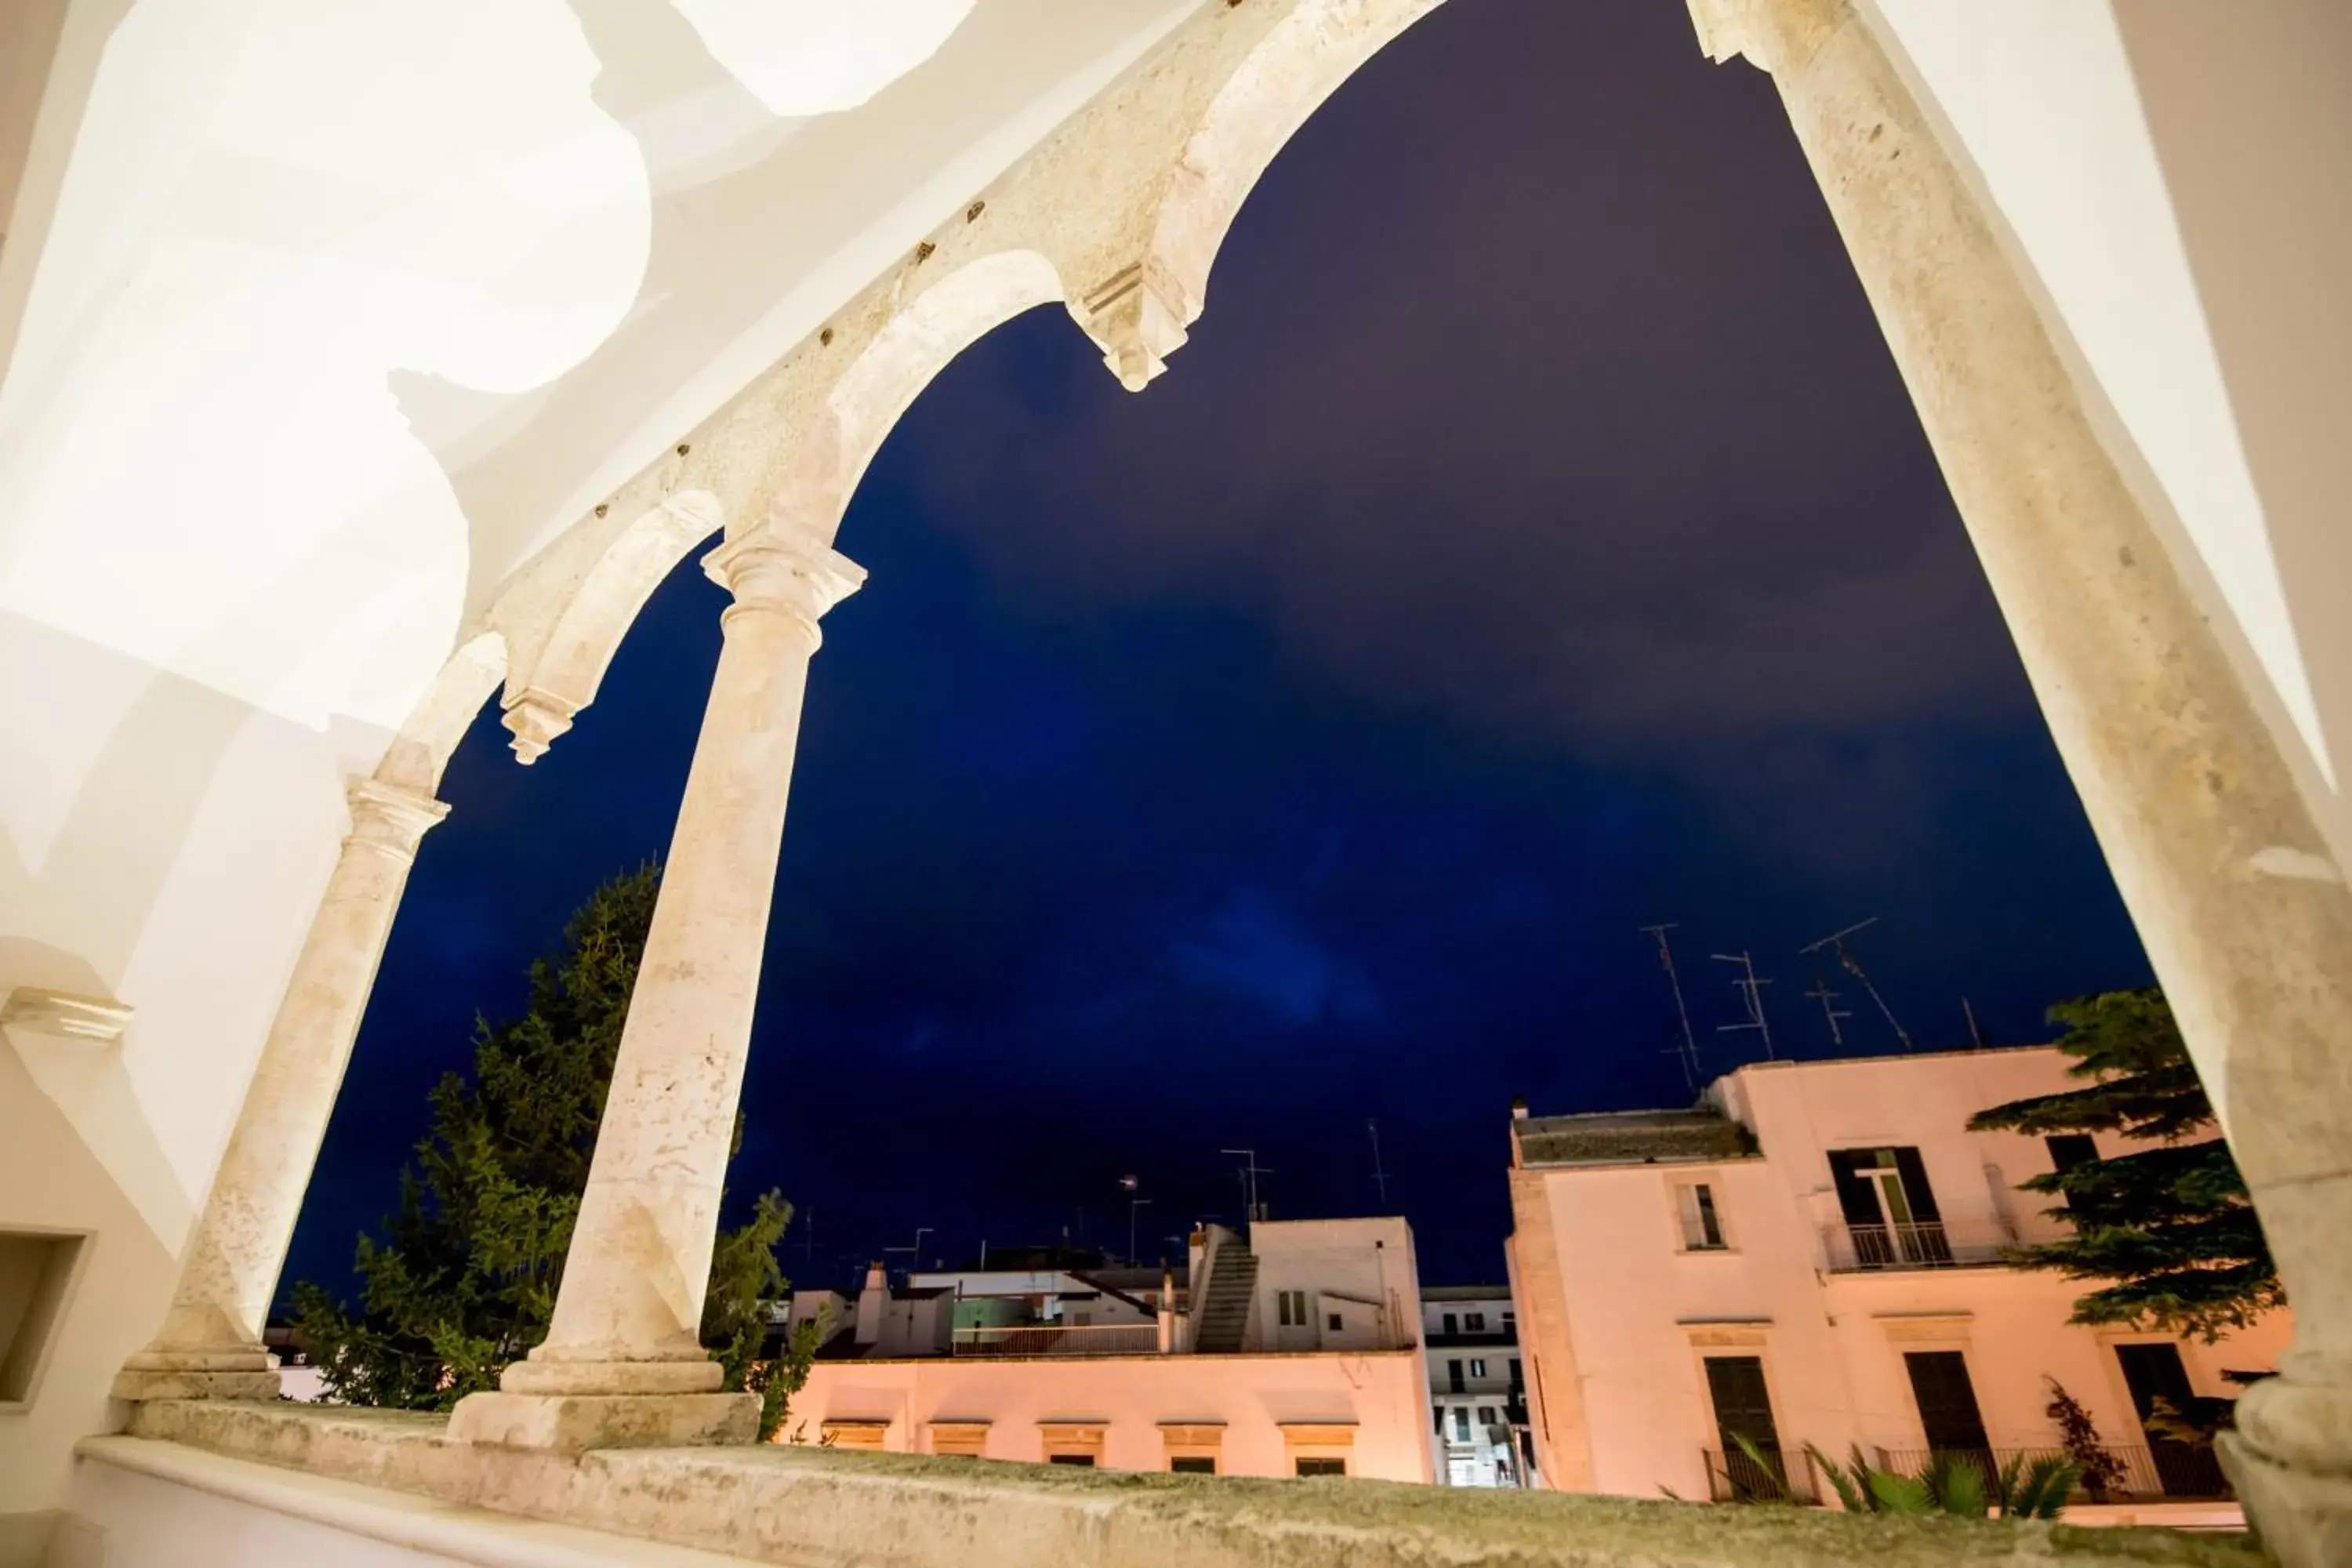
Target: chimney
{"type": "Point", "coordinates": [872, 1304]}
{"type": "Point", "coordinates": [1518, 1108]}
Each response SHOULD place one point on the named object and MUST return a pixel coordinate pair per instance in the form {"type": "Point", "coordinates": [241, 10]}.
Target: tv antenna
{"type": "Point", "coordinates": [1976, 1036]}
{"type": "Point", "coordinates": [1836, 942]}
{"type": "Point", "coordinates": [1688, 1051]}
{"type": "Point", "coordinates": [1751, 991]}
{"type": "Point", "coordinates": [1251, 1172]}
{"type": "Point", "coordinates": [914, 1249]}
{"type": "Point", "coordinates": [1823, 993]}
{"type": "Point", "coordinates": [808, 1240]}
{"type": "Point", "coordinates": [1379, 1177]}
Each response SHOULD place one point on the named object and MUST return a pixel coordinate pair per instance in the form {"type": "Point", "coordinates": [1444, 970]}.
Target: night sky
{"type": "Point", "coordinates": [1534, 541]}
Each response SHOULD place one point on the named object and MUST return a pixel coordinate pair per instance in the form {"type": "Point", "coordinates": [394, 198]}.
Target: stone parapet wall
{"type": "Point", "coordinates": [782, 1505]}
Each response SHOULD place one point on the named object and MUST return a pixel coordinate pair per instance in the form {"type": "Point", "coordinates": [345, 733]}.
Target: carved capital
{"type": "Point", "coordinates": [536, 716]}
{"type": "Point", "coordinates": [1138, 314]}
{"type": "Point", "coordinates": [1774, 36]}
{"type": "Point", "coordinates": [777, 569]}
{"type": "Point", "coordinates": [389, 819]}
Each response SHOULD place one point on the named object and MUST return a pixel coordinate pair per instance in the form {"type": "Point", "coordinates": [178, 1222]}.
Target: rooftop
{"type": "Point", "coordinates": [1630, 1137]}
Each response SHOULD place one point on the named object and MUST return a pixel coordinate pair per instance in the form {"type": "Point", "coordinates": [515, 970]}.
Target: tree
{"type": "Point", "coordinates": [464, 1280]}
{"type": "Point", "coordinates": [2169, 1225]}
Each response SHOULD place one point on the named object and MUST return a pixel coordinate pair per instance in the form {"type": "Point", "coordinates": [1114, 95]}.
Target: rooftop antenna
{"type": "Point", "coordinates": [1130, 1186]}
{"type": "Point", "coordinates": [808, 1242]}
{"type": "Point", "coordinates": [914, 1249]}
{"type": "Point", "coordinates": [1379, 1177]}
{"type": "Point", "coordinates": [1688, 1052]}
{"type": "Point", "coordinates": [1823, 993]}
{"type": "Point", "coordinates": [1251, 1172]}
{"type": "Point", "coordinates": [1835, 941]}
{"type": "Point", "coordinates": [1751, 991]}
{"type": "Point", "coordinates": [1976, 1036]}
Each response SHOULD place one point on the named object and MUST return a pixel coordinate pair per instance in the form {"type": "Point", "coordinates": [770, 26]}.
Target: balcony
{"type": "Point", "coordinates": [1935, 1243]}
{"type": "Point", "coordinates": [1057, 1340]}
{"type": "Point", "coordinates": [2170, 1471]}
{"type": "Point", "coordinates": [1736, 1477]}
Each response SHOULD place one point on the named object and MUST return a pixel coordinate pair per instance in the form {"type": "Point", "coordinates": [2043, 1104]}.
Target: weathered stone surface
{"type": "Point", "coordinates": [574, 1423]}
{"type": "Point", "coordinates": [787, 1505]}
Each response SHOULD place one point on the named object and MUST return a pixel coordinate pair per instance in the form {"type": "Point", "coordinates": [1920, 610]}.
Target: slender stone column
{"type": "Point", "coordinates": [210, 1345]}
{"type": "Point", "coordinates": [622, 1364]}
{"type": "Point", "coordinates": [2244, 914]}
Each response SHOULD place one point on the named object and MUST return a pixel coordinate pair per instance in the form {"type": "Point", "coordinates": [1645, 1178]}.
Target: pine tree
{"type": "Point", "coordinates": [464, 1280]}
{"type": "Point", "coordinates": [2169, 1225]}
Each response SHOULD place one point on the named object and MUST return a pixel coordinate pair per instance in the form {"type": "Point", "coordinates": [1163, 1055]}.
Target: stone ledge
{"type": "Point", "coordinates": [787, 1505]}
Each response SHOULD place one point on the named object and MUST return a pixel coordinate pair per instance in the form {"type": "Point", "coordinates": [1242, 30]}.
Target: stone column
{"type": "Point", "coordinates": [210, 1345]}
{"type": "Point", "coordinates": [622, 1364]}
{"type": "Point", "coordinates": [2244, 914]}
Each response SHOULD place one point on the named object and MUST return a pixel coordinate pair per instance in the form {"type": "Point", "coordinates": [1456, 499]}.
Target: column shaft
{"type": "Point", "coordinates": [210, 1343]}
{"type": "Point", "coordinates": [623, 1362]}
{"type": "Point", "coordinates": [2243, 913]}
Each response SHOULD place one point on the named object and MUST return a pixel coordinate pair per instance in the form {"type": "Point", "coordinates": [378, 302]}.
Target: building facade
{"type": "Point", "coordinates": [1814, 1255]}
{"type": "Point", "coordinates": [1478, 1384]}
{"type": "Point", "coordinates": [1293, 1351]}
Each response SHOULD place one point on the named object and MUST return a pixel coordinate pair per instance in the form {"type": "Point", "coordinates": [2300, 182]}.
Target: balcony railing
{"type": "Point", "coordinates": [2170, 1470]}
{"type": "Point", "coordinates": [1736, 1477]}
{"type": "Point", "coordinates": [1874, 1248]}
{"type": "Point", "coordinates": [1057, 1338]}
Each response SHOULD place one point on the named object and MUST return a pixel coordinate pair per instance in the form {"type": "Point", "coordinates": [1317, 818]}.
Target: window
{"type": "Point", "coordinates": [1475, 1322]}
{"type": "Point", "coordinates": [36, 1269]}
{"type": "Point", "coordinates": [1462, 1422]}
{"type": "Point", "coordinates": [1890, 1212]}
{"type": "Point", "coordinates": [1519, 1376]}
{"type": "Point", "coordinates": [1291, 1307]}
{"type": "Point", "coordinates": [1702, 1225]}
{"type": "Point", "coordinates": [1334, 1324]}
{"type": "Point", "coordinates": [1485, 1415]}
{"type": "Point", "coordinates": [1193, 1465]}
{"type": "Point", "coordinates": [1080, 1461]}
{"type": "Point", "coordinates": [1743, 1408]}
{"type": "Point", "coordinates": [1321, 1466]}
{"type": "Point", "coordinates": [1451, 1320]}
{"type": "Point", "coordinates": [1454, 1375]}
{"type": "Point", "coordinates": [1510, 1321]}
{"type": "Point", "coordinates": [2067, 1150]}
{"type": "Point", "coordinates": [1478, 1366]}
{"type": "Point", "coordinates": [1946, 1400]}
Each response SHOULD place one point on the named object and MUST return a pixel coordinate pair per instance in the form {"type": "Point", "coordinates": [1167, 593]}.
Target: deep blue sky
{"type": "Point", "coordinates": [1534, 541]}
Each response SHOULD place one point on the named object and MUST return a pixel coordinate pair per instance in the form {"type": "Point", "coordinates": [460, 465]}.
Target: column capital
{"type": "Point", "coordinates": [1773, 35]}
{"type": "Point", "coordinates": [778, 568]}
{"type": "Point", "coordinates": [390, 819]}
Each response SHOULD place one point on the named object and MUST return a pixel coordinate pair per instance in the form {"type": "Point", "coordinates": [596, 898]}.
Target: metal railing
{"type": "Point", "coordinates": [2170, 1470]}
{"type": "Point", "coordinates": [1735, 1477]}
{"type": "Point", "coordinates": [1057, 1338]}
{"type": "Point", "coordinates": [1932, 1244]}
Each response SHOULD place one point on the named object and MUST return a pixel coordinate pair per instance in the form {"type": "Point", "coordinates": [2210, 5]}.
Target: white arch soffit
{"type": "Point", "coordinates": [804, 57]}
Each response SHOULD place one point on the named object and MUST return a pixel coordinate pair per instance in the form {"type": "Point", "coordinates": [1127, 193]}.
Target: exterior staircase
{"type": "Point", "coordinates": [1221, 1323]}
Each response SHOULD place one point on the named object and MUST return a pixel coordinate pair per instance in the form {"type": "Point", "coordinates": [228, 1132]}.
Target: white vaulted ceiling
{"type": "Point", "coordinates": [338, 312]}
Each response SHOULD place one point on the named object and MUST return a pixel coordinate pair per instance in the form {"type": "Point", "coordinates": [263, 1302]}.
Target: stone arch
{"type": "Point", "coordinates": [421, 749]}
{"type": "Point", "coordinates": [824, 461]}
{"type": "Point", "coordinates": [1141, 311]}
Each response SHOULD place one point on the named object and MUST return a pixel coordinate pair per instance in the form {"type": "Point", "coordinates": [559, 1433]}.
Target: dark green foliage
{"type": "Point", "coordinates": [465, 1276]}
{"type": "Point", "coordinates": [2169, 1227]}
{"type": "Point", "coordinates": [2101, 1473]}
{"type": "Point", "coordinates": [1956, 1484]}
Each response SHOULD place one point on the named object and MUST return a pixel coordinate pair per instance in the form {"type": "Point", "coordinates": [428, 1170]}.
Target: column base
{"type": "Point", "coordinates": [575, 1422]}
{"type": "Point", "coordinates": [234, 1372]}
{"type": "Point", "coordinates": [2302, 1517]}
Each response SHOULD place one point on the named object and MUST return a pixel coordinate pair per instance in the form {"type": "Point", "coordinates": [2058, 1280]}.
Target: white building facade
{"type": "Point", "coordinates": [1477, 1385]}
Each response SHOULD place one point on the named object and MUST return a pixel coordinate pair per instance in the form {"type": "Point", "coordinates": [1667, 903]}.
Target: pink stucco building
{"type": "Point", "coordinates": [1294, 1351]}
{"type": "Point", "coordinates": [1812, 1255]}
